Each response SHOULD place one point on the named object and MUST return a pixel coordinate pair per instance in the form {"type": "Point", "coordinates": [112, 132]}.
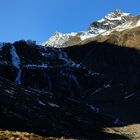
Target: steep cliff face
{"type": "Point", "coordinates": [76, 85]}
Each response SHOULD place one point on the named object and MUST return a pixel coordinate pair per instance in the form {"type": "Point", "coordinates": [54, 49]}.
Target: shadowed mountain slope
{"type": "Point", "coordinates": [70, 92]}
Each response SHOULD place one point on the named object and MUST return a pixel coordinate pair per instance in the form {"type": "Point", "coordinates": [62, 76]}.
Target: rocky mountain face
{"type": "Point", "coordinates": [116, 21]}
{"type": "Point", "coordinates": [89, 90]}
{"type": "Point", "coordinates": [127, 38]}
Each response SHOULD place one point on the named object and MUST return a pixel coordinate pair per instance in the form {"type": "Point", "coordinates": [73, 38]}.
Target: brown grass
{"type": "Point", "coordinates": [11, 135]}
{"type": "Point", "coordinates": [130, 131]}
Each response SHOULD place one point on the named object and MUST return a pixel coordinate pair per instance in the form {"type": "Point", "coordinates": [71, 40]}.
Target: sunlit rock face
{"type": "Point", "coordinates": [116, 21]}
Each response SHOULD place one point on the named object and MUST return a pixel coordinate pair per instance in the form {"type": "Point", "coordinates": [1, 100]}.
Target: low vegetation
{"type": "Point", "coordinates": [15, 135]}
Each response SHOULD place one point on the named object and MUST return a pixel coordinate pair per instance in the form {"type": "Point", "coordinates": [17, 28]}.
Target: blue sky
{"type": "Point", "coordinates": [39, 19]}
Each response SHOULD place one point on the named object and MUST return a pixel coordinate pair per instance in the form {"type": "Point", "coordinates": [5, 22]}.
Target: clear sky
{"type": "Point", "coordinates": [39, 19]}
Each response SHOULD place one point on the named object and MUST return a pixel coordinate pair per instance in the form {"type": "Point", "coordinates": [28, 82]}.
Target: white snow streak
{"type": "Point", "coordinates": [41, 103]}
{"type": "Point", "coordinates": [128, 96]}
{"type": "Point", "coordinates": [16, 63]}
{"type": "Point", "coordinates": [95, 109]}
{"type": "Point", "coordinates": [53, 105]}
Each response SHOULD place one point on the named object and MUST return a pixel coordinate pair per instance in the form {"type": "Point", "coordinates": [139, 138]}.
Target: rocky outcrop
{"type": "Point", "coordinates": [127, 38]}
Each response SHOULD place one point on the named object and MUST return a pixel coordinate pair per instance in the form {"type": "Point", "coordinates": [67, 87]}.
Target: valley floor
{"type": "Point", "coordinates": [131, 132]}
{"type": "Point", "coordinates": [15, 135]}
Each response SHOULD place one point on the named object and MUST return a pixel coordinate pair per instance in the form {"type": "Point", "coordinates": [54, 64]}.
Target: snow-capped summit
{"type": "Point", "coordinates": [59, 39]}
{"type": "Point", "coordinates": [116, 15]}
{"type": "Point", "coordinates": [114, 21]}
{"type": "Point", "coordinates": [111, 20]}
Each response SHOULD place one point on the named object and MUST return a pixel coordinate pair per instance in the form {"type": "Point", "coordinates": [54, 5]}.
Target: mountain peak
{"type": "Point", "coordinates": [111, 20]}
{"type": "Point", "coordinates": [116, 14]}
{"type": "Point", "coordinates": [120, 12]}
{"type": "Point", "coordinates": [114, 21]}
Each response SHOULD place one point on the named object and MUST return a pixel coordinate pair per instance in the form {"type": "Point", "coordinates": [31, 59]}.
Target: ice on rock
{"type": "Point", "coordinates": [41, 103]}
{"type": "Point", "coordinates": [16, 63]}
{"type": "Point", "coordinates": [32, 66]}
{"type": "Point", "coordinates": [18, 79]}
{"type": "Point", "coordinates": [128, 96]}
{"type": "Point", "coordinates": [94, 109]}
{"type": "Point", "coordinates": [15, 58]}
{"type": "Point", "coordinates": [53, 105]}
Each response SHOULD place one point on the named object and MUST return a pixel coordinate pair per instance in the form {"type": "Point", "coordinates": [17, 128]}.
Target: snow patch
{"type": "Point", "coordinates": [72, 34]}
{"type": "Point", "coordinates": [53, 105]}
{"type": "Point", "coordinates": [107, 86]}
{"type": "Point", "coordinates": [9, 92]}
{"type": "Point", "coordinates": [57, 40]}
{"type": "Point", "coordinates": [86, 36]}
{"type": "Point", "coordinates": [18, 79]}
{"type": "Point", "coordinates": [113, 18]}
{"type": "Point", "coordinates": [128, 96]}
{"type": "Point", "coordinates": [63, 56]}
{"type": "Point", "coordinates": [41, 103]}
{"type": "Point", "coordinates": [99, 89]}
{"type": "Point", "coordinates": [125, 14]}
{"type": "Point", "coordinates": [15, 58]}
{"type": "Point", "coordinates": [101, 20]}
{"type": "Point", "coordinates": [36, 66]}
{"type": "Point", "coordinates": [16, 63]}
{"type": "Point", "coordinates": [94, 109]}
{"type": "Point", "coordinates": [138, 23]}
